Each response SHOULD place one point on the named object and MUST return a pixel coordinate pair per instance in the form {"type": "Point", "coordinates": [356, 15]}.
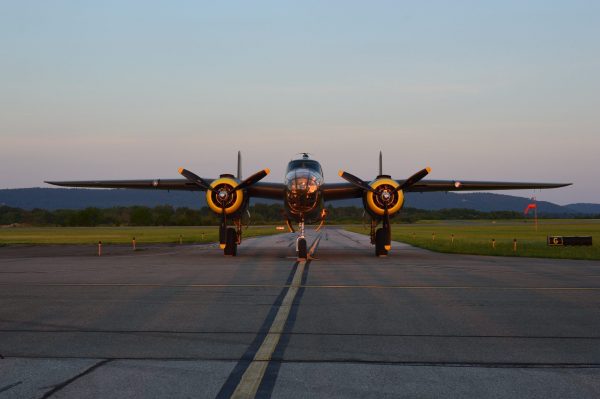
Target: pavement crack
{"type": "Point", "coordinates": [87, 371]}
{"type": "Point", "coordinates": [6, 388]}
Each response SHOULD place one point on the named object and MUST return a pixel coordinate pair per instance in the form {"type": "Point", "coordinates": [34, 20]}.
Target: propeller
{"type": "Point", "coordinates": [223, 194]}
{"type": "Point", "coordinates": [385, 194]}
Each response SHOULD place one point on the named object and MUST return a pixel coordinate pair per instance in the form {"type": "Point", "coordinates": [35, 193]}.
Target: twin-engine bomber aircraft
{"type": "Point", "coordinates": [303, 193]}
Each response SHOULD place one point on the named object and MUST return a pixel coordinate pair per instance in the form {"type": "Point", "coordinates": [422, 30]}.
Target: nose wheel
{"type": "Point", "coordinates": [301, 247]}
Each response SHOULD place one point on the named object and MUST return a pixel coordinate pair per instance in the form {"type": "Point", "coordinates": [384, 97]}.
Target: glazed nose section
{"type": "Point", "coordinates": [302, 188]}
{"type": "Point", "coordinates": [300, 182]}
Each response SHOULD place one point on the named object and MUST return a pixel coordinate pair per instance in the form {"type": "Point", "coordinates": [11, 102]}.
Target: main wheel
{"type": "Point", "coordinates": [380, 241]}
{"type": "Point", "coordinates": [231, 242]}
{"type": "Point", "coordinates": [302, 253]}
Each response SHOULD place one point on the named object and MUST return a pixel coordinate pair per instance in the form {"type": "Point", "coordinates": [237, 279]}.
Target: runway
{"type": "Point", "coordinates": [184, 321]}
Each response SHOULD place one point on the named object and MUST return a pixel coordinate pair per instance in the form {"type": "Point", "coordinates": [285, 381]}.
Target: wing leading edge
{"type": "Point", "coordinates": [459, 185]}
{"type": "Point", "coordinates": [257, 190]}
{"type": "Point", "coordinates": [337, 191]}
{"type": "Point", "coordinates": [159, 184]}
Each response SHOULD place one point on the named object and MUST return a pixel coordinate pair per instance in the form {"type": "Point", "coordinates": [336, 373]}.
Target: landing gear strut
{"type": "Point", "coordinates": [231, 242]}
{"type": "Point", "coordinates": [301, 243]}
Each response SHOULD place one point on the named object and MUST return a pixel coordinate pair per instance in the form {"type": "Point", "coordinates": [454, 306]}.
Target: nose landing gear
{"type": "Point", "coordinates": [301, 247]}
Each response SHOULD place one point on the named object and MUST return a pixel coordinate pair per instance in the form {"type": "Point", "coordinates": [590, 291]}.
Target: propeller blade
{"type": "Point", "coordinates": [253, 179]}
{"type": "Point", "coordinates": [414, 179]}
{"type": "Point", "coordinates": [355, 180]}
{"type": "Point", "coordinates": [194, 178]}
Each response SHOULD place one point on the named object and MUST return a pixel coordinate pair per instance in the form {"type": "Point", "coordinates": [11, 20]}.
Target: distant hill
{"type": "Point", "coordinates": [485, 202]}
{"type": "Point", "coordinates": [589, 209]}
{"type": "Point", "coordinates": [75, 198]}
{"type": "Point", "coordinates": [78, 198]}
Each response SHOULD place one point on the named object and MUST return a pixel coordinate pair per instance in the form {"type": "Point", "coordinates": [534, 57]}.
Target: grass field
{"type": "Point", "coordinates": [118, 235]}
{"type": "Point", "coordinates": [475, 237]}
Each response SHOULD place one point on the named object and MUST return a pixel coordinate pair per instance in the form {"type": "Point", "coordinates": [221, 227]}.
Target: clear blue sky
{"type": "Point", "coordinates": [477, 90]}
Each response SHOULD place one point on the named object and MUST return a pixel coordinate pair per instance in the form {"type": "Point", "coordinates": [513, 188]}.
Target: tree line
{"type": "Point", "coordinates": [259, 214]}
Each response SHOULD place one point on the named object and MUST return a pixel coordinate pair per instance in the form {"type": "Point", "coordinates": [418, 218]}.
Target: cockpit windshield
{"type": "Point", "coordinates": [305, 164]}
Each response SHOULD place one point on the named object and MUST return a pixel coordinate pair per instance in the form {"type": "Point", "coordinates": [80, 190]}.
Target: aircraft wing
{"type": "Point", "coordinates": [159, 184]}
{"type": "Point", "coordinates": [459, 185]}
{"type": "Point", "coordinates": [337, 191]}
{"type": "Point", "coordinates": [257, 190]}
{"type": "Point", "coordinates": [274, 191]}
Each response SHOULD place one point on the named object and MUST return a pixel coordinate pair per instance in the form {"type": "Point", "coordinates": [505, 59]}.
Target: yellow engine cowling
{"type": "Point", "coordinates": [234, 202]}
{"type": "Point", "coordinates": [374, 202]}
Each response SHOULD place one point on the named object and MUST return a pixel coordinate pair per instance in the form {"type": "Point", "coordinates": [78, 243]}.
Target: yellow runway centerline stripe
{"type": "Point", "coordinates": [253, 376]}
{"type": "Point", "coordinates": [255, 372]}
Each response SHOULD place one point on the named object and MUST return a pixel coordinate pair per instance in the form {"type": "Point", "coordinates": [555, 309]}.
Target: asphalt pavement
{"type": "Point", "coordinates": [185, 321]}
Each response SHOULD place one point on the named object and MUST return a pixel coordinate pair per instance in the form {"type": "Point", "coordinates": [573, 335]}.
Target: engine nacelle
{"type": "Point", "coordinates": [224, 195]}
{"type": "Point", "coordinates": [385, 194]}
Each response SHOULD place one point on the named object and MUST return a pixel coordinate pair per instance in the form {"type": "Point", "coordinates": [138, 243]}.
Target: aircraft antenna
{"type": "Point", "coordinates": [239, 166]}
{"type": "Point", "coordinates": [305, 155]}
{"type": "Point", "coordinates": [380, 163]}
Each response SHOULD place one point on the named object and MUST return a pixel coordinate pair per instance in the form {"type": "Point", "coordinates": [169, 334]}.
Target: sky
{"type": "Point", "coordinates": [476, 90]}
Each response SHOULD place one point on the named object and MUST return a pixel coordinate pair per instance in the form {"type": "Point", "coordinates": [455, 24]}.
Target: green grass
{"type": "Point", "coordinates": [118, 235]}
{"type": "Point", "coordinates": [475, 237]}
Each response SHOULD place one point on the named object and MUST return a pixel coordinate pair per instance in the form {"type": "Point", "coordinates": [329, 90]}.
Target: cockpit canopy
{"type": "Point", "coordinates": [305, 164]}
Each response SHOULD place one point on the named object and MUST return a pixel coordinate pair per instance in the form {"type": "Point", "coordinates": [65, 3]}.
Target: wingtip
{"type": "Point", "coordinates": [428, 169]}
{"type": "Point", "coordinates": [340, 172]}
{"type": "Point", "coordinates": [180, 170]}
{"type": "Point", "coordinates": [267, 170]}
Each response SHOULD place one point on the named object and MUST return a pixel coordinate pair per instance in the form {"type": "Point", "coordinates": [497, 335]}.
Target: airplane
{"type": "Point", "coordinates": [304, 193]}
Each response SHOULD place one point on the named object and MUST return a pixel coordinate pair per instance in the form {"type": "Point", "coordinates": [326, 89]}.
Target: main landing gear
{"type": "Point", "coordinates": [301, 247]}
{"type": "Point", "coordinates": [230, 242]}
{"type": "Point", "coordinates": [233, 237]}
{"type": "Point", "coordinates": [381, 237]}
